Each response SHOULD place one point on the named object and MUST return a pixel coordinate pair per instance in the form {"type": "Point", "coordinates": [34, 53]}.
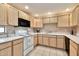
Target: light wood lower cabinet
{"type": "Point", "coordinates": [73, 49]}
{"type": "Point", "coordinates": [13, 48]}
{"type": "Point", "coordinates": [35, 40]}
{"type": "Point", "coordinates": [6, 52]}
{"type": "Point", "coordinates": [45, 40]}
{"type": "Point", "coordinates": [18, 50]}
{"type": "Point", "coordinates": [40, 39]}
{"type": "Point", "coordinates": [52, 41]}
{"type": "Point", "coordinates": [61, 42]}
{"type": "Point", "coordinates": [18, 47]}
{"type": "Point", "coordinates": [5, 49]}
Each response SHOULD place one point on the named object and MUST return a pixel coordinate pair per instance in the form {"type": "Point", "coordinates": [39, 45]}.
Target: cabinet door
{"type": "Point", "coordinates": [46, 20]}
{"type": "Point", "coordinates": [53, 20]}
{"type": "Point", "coordinates": [35, 40]}
{"type": "Point", "coordinates": [40, 40]}
{"type": "Point", "coordinates": [61, 42]}
{"type": "Point", "coordinates": [63, 20]}
{"type": "Point", "coordinates": [6, 52]}
{"type": "Point", "coordinates": [12, 16]}
{"type": "Point", "coordinates": [73, 49]}
{"type": "Point", "coordinates": [52, 41]}
{"type": "Point", "coordinates": [18, 49]}
{"type": "Point", "coordinates": [45, 41]}
{"type": "Point", "coordinates": [3, 14]}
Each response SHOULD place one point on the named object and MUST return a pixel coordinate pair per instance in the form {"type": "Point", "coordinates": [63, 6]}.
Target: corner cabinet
{"type": "Point", "coordinates": [3, 14]}
{"type": "Point", "coordinates": [12, 16]}
{"type": "Point", "coordinates": [63, 20]}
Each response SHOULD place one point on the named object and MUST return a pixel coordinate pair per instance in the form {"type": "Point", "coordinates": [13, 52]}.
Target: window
{"type": "Point", "coordinates": [2, 30]}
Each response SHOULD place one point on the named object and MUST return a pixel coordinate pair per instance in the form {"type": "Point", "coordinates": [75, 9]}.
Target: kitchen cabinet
{"type": "Point", "coordinates": [49, 20]}
{"type": "Point", "coordinates": [35, 40]}
{"type": "Point", "coordinates": [12, 16]}
{"type": "Point", "coordinates": [23, 15]}
{"type": "Point", "coordinates": [3, 14]}
{"type": "Point", "coordinates": [40, 39]}
{"type": "Point", "coordinates": [45, 40]}
{"type": "Point", "coordinates": [18, 47]}
{"type": "Point", "coordinates": [61, 42]}
{"type": "Point", "coordinates": [45, 20]}
{"type": "Point", "coordinates": [6, 49]}
{"type": "Point", "coordinates": [37, 23]}
{"type": "Point", "coordinates": [63, 20]}
{"type": "Point", "coordinates": [53, 20]}
{"type": "Point", "coordinates": [52, 41]}
{"type": "Point", "coordinates": [73, 49]}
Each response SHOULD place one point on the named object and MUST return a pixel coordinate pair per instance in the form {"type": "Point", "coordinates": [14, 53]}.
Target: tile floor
{"type": "Point", "coordinates": [46, 51]}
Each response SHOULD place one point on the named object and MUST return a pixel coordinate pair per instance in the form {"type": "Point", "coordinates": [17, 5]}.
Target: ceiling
{"type": "Point", "coordinates": [43, 8]}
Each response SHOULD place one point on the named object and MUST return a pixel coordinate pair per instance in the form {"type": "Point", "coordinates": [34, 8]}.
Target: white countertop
{"type": "Point", "coordinates": [71, 37]}
{"type": "Point", "coordinates": [6, 39]}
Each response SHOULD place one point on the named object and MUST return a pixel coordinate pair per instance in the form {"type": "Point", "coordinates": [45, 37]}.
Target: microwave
{"type": "Point", "coordinates": [23, 22]}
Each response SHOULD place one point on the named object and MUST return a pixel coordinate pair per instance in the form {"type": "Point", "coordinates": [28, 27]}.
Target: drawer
{"type": "Point", "coordinates": [17, 41]}
{"type": "Point", "coordinates": [5, 45]}
{"type": "Point", "coordinates": [52, 36]}
{"type": "Point", "coordinates": [60, 37]}
{"type": "Point", "coordinates": [74, 44]}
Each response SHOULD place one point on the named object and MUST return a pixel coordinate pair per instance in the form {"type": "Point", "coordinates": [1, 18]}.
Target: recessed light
{"type": "Point", "coordinates": [49, 13]}
{"type": "Point", "coordinates": [67, 9]}
{"type": "Point", "coordinates": [36, 15]}
{"type": "Point", "coordinates": [26, 7]}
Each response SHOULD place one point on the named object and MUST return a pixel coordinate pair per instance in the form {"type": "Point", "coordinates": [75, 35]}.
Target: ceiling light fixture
{"type": "Point", "coordinates": [36, 15]}
{"type": "Point", "coordinates": [67, 9]}
{"type": "Point", "coordinates": [49, 13]}
{"type": "Point", "coordinates": [26, 7]}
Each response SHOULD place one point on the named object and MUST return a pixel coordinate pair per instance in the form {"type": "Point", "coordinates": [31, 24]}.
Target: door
{"type": "Point", "coordinates": [3, 14]}
{"type": "Point", "coordinates": [18, 49]}
{"type": "Point", "coordinates": [40, 39]}
{"type": "Point", "coordinates": [35, 40]}
{"type": "Point", "coordinates": [45, 40]}
{"type": "Point", "coordinates": [63, 20]}
{"type": "Point", "coordinates": [12, 16]}
{"type": "Point", "coordinates": [61, 42]}
{"type": "Point", "coordinates": [52, 41]}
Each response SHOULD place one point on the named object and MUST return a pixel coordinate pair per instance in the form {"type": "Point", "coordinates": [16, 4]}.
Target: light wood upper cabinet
{"type": "Point", "coordinates": [3, 14]}
{"type": "Point", "coordinates": [12, 16]}
{"type": "Point", "coordinates": [52, 41]}
{"type": "Point", "coordinates": [49, 20]}
{"type": "Point", "coordinates": [23, 15]}
{"type": "Point", "coordinates": [36, 23]}
{"type": "Point", "coordinates": [45, 20]}
{"type": "Point", "coordinates": [63, 20]}
{"type": "Point", "coordinates": [53, 20]}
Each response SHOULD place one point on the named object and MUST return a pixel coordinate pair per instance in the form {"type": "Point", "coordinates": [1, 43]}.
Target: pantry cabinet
{"type": "Point", "coordinates": [3, 14]}
{"type": "Point", "coordinates": [61, 42]}
{"type": "Point", "coordinates": [12, 16]}
{"type": "Point", "coordinates": [73, 49]}
{"type": "Point", "coordinates": [52, 41]}
{"type": "Point", "coordinates": [63, 20]}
